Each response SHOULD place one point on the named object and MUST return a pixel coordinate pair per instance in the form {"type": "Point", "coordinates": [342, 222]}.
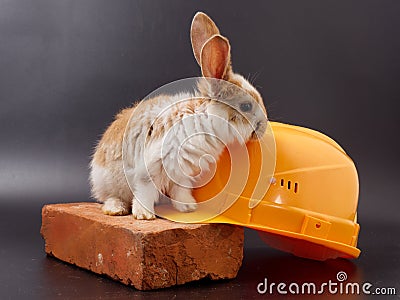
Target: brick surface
{"type": "Point", "coordinates": [146, 254]}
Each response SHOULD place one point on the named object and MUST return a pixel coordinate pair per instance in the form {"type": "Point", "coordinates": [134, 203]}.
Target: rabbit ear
{"type": "Point", "coordinates": [201, 30]}
{"type": "Point", "coordinates": [215, 57]}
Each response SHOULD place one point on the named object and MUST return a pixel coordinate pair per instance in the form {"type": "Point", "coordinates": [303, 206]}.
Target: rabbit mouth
{"type": "Point", "coordinates": [258, 131]}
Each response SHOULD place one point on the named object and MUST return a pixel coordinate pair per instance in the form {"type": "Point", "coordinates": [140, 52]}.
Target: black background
{"type": "Point", "coordinates": [66, 67]}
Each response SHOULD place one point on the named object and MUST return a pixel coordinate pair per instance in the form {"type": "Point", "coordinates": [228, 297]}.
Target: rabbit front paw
{"type": "Point", "coordinates": [185, 207]}
{"type": "Point", "coordinates": [183, 200]}
{"type": "Point", "coordinates": [141, 213]}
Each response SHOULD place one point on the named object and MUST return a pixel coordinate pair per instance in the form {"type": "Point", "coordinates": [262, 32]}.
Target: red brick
{"type": "Point", "coordinates": [146, 254]}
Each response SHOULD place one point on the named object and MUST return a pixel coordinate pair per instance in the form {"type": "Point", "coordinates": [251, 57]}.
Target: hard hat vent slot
{"type": "Point", "coordinates": [289, 185]}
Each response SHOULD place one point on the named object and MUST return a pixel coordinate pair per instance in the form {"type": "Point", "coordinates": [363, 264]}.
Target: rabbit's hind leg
{"type": "Point", "coordinates": [115, 207]}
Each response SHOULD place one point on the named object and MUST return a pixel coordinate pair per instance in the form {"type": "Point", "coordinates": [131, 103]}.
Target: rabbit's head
{"type": "Point", "coordinates": [238, 102]}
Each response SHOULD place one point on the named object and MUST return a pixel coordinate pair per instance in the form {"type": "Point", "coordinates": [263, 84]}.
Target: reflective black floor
{"type": "Point", "coordinates": [26, 272]}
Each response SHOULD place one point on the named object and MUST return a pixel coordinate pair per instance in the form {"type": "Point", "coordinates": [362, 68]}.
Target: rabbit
{"type": "Point", "coordinates": [240, 116]}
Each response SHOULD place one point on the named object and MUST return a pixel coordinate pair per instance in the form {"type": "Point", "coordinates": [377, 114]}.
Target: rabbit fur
{"type": "Point", "coordinates": [154, 144]}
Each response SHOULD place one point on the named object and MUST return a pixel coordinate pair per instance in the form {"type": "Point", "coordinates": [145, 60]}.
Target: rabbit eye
{"type": "Point", "coordinates": [246, 106]}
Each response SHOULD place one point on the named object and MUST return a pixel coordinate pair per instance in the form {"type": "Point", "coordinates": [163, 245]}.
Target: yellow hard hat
{"type": "Point", "coordinates": [310, 207]}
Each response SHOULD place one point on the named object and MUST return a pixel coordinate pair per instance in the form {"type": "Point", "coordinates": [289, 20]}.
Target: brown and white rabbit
{"type": "Point", "coordinates": [241, 116]}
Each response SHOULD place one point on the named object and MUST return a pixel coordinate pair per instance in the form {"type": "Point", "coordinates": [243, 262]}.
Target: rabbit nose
{"type": "Point", "coordinates": [258, 125]}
